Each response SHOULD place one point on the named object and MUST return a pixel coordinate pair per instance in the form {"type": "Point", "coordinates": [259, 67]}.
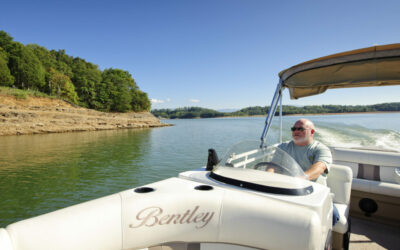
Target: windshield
{"type": "Point", "coordinates": [268, 169]}
{"type": "Point", "coordinates": [272, 159]}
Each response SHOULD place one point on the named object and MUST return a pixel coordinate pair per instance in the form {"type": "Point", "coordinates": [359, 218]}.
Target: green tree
{"type": "Point", "coordinates": [119, 84]}
{"type": "Point", "coordinates": [103, 101]}
{"type": "Point", "coordinates": [86, 76]}
{"type": "Point", "coordinates": [26, 67]}
{"type": "Point", "coordinates": [5, 40]}
{"type": "Point", "coordinates": [46, 58]}
{"type": "Point", "coordinates": [140, 101]}
{"type": "Point", "coordinates": [64, 62]}
{"type": "Point", "coordinates": [6, 79]}
{"type": "Point", "coordinates": [62, 86]}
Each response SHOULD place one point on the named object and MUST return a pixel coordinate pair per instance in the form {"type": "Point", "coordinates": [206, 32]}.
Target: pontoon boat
{"type": "Point", "coordinates": [234, 203]}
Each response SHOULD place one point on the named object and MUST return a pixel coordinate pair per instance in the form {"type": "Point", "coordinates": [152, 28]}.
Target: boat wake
{"type": "Point", "coordinates": [358, 136]}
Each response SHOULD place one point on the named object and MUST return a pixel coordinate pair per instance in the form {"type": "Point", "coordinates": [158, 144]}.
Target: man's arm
{"type": "Point", "coordinates": [315, 170]}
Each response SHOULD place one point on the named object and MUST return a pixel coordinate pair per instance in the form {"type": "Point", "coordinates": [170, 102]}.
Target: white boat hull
{"type": "Point", "coordinates": [178, 212]}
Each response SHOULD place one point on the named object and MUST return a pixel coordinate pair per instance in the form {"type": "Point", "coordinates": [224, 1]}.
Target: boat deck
{"type": "Point", "coordinates": [367, 235]}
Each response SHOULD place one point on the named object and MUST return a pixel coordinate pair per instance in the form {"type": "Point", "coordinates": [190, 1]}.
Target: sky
{"type": "Point", "coordinates": [218, 54]}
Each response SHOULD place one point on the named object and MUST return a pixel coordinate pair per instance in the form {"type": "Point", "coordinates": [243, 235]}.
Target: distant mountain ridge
{"type": "Point", "coordinates": [198, 112]}
{"type": "Point", "coordinates": [227, 110]}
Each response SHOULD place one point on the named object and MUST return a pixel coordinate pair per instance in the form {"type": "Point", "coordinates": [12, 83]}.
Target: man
{"type": "Point", "coordinates": [313, 156]}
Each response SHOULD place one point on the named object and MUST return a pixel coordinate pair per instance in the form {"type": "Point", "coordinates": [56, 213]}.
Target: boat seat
{"type": "Point", "coordinates": [339, 181]}
{"type": "Point", "coordinates": [376, 182]}
{"type": "Point", "coordinates": [373, 165]}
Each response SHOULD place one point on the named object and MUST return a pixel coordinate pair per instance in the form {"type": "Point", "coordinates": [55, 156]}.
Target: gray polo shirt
{"type": "Point", "coordinates": [307, 155]}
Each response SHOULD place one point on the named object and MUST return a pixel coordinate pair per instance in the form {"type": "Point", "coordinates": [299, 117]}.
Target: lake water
{"type": "Point", "coordinates": [42, 173]}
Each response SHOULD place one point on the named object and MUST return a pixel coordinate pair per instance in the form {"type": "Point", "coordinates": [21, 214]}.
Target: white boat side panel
{"type": "Point", "coordinates": [222, 246]}
{"type": "Point", "coordinates": [352, 165]}
{"type": "Point", "coordinates": [177, 212]}
{"type": "Point", "coordinates": [388, 174]}
{"type": "Point", "coordinates": [174, 212]}
{"type": "Point", "coordinates": [376, 187]}
{"type": "Point", "coordinates": [5, 241]}
{"type": "Point", "coordinates": [380, 158]}
{"type": "Point", "coordinates": [273, 226]}
{"type": "Point", "coordinates": [91, 225]}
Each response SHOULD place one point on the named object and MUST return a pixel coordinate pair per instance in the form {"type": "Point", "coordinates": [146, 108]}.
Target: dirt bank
{"type": "Point", "coordinates": [36, 115]}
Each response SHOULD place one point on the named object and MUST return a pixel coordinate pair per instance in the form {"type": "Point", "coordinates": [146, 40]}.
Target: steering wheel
{"type": "Point", "coordinates": [267, 165]}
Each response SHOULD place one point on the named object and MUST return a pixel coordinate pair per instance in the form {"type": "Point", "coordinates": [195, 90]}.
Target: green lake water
{"type": "Point", "coordinates": [42, 173]}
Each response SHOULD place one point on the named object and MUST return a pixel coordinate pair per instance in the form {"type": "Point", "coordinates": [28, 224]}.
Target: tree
{"type": "Point", "coordinates": [26, 67]}
{"type": "Point", "coordinates": [62, 86]}
{"type": "Point", "coordinates": [54, 72]}
{"type": "Point", "coordinates": [6, 79]}
{"type": "Point", "coordinates": [140, 101]}
{"type": "Point", "coordinates": [64, 62]}
{"type": "Point", "coordinates": [118, 83]}
{"type": "Point", "coordinates": [102, 101]}
{"type": "Point", "coordinates": [5, 40]}
{"type": "Point", "coordinates": [46, 58]}
{"type": "Point", "coordinates": [85, 78]}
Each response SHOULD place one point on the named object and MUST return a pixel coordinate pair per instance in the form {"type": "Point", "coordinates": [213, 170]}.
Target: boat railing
{"type": "Point", "coordinates": [246, 158]}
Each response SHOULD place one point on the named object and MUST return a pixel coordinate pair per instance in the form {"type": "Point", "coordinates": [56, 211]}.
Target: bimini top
{"type": "Point", "coordinates": [373, 66]}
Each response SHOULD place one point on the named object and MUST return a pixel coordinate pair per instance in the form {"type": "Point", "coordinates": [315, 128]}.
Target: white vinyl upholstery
{"type": "Point", "coordinates": [377, 187]}
{"type": "Point", "coordinates": [90, 225]}
{"type": "Point", "coordinates": [5, 241]}
{"type": "Point", "coordinates": [374, 157]}
{"type": "Point", "coordinates": [387, 162]}
{"type": "Point", "coordinates": [339, 181]}
{"type": "Point", "coordinates": [352, 165]}
{"type": "Point", "coordinates": [177, 211]}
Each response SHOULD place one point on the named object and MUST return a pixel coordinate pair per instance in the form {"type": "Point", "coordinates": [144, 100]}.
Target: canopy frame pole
{"type": "Point", "coordinates": [280, 115]}
{"type": "Point", "coordinates": [271, 112]}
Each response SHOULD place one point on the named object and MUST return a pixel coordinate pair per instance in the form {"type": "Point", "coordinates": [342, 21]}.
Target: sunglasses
{"type": "Point", "coordinates": [299, 129]}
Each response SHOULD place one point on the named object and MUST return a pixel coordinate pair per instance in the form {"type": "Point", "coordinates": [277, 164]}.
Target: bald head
{"type": "Point", "coordinates": [305, 123]}
{"type": "Point", "coordinates": [304, 132]}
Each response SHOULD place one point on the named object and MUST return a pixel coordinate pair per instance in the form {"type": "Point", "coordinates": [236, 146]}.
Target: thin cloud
{"type": "Point", "coordinates": [155, 101]}
{"type": "Point", "coordinates": [194, 100]}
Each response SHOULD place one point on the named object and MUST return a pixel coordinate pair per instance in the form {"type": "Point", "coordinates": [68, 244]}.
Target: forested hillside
{"type": "Point", "coordinates": [197, 112]}
{"type": "Point", "coordinates": [186, 113]}
{"type": "Point", "coordinates": [70, 78]}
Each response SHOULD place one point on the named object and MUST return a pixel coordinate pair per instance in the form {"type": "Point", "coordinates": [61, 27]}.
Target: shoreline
{"type": "Point", "coordinates": [39, 115]}
{"type": "Point", "coordinates": [345, 113]}
{"type": "Point", "coordinates": [311, 114]}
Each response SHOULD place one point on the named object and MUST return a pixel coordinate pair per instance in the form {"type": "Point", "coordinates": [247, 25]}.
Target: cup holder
{"type": "Point", "coordinates": [204, 187]}
{"type": "Point", "coordinates": [142, 190]}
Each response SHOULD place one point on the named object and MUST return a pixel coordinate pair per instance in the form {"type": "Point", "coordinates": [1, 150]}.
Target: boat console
{"type": "Point", "coordinates": [263, 169]}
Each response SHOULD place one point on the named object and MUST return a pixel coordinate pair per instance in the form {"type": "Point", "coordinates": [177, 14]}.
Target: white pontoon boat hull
{"type": "Point", "coordinates": [180, 210]}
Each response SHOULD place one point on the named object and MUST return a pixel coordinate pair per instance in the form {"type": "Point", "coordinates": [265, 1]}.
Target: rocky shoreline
{"type": "Point", "coordinates": [38, 115]}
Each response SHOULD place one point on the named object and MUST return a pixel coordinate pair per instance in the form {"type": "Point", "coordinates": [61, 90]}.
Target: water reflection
{"type": "Point", "coordinates": [42, 173]}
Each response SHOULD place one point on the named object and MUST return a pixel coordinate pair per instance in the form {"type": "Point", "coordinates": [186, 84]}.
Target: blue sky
{"type": "Point", "coordinates": [218, 54]}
